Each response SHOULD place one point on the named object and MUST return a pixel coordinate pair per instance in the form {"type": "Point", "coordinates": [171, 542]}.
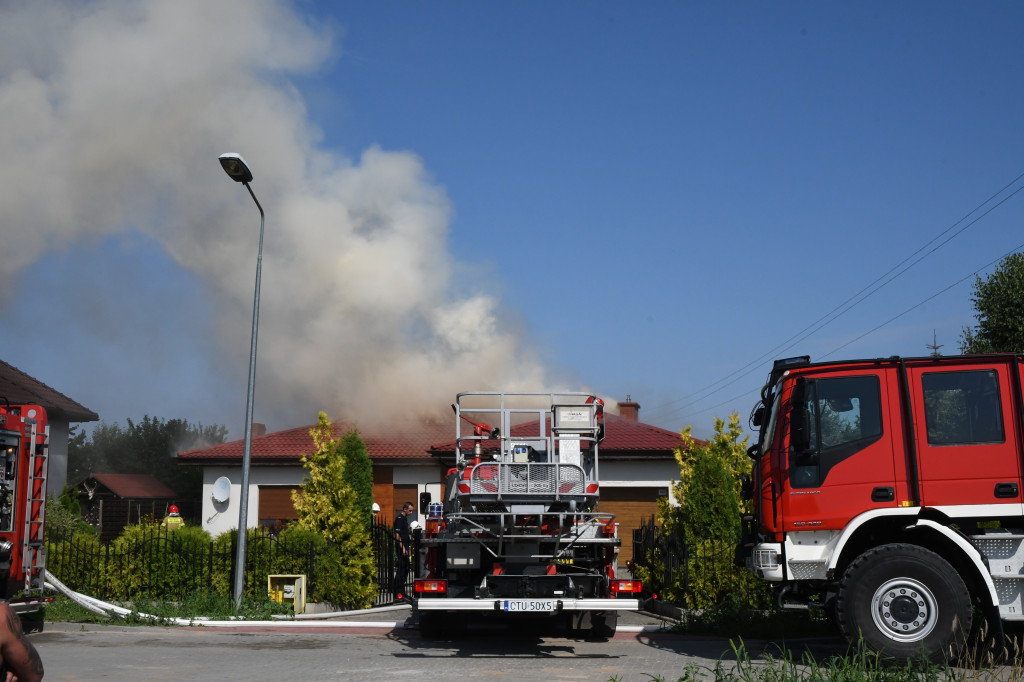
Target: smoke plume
{"type": "Point", "coordinates": [114, 113]}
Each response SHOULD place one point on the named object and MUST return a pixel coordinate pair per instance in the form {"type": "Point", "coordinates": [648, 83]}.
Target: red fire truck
{"type": "Point", "coordinates": [24, 441]}
{"type": "Point", "coordinates": [888, 492]}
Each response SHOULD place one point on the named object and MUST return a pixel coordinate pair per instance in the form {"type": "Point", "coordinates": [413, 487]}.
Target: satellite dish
{"type": "Point", "coordinates": [222, 489]}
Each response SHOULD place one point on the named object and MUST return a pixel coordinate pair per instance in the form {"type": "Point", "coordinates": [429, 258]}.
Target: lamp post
{"type": "Point", "coordinates": [234, 165]}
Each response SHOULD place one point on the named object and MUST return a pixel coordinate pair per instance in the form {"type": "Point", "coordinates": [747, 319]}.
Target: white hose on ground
{"type": "Point", "coordinates": [112, 610]}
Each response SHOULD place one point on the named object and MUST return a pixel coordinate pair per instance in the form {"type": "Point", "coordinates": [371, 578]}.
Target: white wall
{"type": "Point", "coordinates": [642, 474]}
{"type": "Point", "coordinates": [57, 464]}
{"type": "Point", "coordinates": [221, 517]}
{"type": "Point", "coordinates": [218, 518]}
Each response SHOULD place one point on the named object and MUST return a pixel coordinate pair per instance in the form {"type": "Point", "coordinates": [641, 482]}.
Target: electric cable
{"type": "Point", "coordinates": [847, 305]}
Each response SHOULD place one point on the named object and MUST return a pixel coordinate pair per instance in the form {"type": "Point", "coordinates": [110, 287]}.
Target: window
{"type": "Point", "coordinates": [962, 408]}
{"type": "Point", "coordinates": [838, 418]}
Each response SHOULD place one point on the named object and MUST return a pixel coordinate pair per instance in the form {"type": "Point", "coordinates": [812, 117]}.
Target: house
{"type": "Point", "coordinates": [19, 388]}
{"type": "Point", "coordinates": [112, 501]}
{"type": "Point", "coordinates": [637, 467]}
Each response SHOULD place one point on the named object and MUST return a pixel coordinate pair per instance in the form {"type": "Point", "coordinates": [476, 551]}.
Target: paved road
{"type": "Point", "coordinates": [371, 650]}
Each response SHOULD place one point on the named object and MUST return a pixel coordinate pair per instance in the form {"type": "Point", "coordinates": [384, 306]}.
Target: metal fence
{"type": "Point", "coordinates": [653, 550]}
{"type": "Point", "coordinates": [702, 572]}
{"type": "Point", "coordinates": [163, 565]}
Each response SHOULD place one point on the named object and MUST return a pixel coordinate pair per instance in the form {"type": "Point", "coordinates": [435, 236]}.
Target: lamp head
{"type": "Point", "coordinates": [235, 166]}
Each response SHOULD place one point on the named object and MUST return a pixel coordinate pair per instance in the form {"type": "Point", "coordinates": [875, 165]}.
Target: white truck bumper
{"type": "Point", "coordinates": [546, 605]}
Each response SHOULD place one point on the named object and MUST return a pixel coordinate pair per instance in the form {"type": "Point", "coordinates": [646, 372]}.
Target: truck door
{"type": "Point", "coordinates": [840, 458]}
{"type": "Point", "coordinates": [965, 437]}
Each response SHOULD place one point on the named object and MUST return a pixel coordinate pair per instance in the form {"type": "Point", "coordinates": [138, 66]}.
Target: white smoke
{"type": "Point", "coordinates": [114, 113]}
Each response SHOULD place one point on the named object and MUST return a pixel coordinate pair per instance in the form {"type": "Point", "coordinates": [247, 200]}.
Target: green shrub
{"type": "Point", "coordinates": [62, 520]}
{"type": "Point", "coordinates": [76, 559]}
{"type": "Point", "coordinates": [149, 561]}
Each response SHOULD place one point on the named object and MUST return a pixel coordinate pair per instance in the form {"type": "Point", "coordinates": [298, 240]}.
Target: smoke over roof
{"type": "Point", "coordinates": [114, 114]}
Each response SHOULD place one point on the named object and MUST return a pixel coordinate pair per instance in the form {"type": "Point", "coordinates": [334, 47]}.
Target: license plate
{"type": "Point", "coordinates": [529, 605]}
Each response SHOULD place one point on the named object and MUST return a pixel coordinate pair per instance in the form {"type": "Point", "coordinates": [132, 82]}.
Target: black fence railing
{"type": "Point", "coordinates": [700, 575]}
{"type": "Point", "coordinates": [162, 565]}
{"type": "Point", "coordinates": [653, 550]}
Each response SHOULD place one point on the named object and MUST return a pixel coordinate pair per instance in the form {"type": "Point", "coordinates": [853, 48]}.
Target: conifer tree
{"type": "Point", "coordinates": [358, 471]}
{"type": "Point", "coordinates": [328, 504]}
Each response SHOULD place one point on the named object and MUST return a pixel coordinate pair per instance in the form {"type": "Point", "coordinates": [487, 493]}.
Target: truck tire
{"type": "Point", "coordinates": [907, 603]}
{"type": "Point", "coordinates": [442, 624]}
{"type": "Point", "coordinates": [603, 624]}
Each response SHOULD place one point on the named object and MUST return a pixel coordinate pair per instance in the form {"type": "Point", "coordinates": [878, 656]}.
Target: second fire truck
{"type": "Point", "coordinates": [889, 493]}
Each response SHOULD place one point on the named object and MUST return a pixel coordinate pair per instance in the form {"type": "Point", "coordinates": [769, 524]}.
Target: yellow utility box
{"type": "Point", "coordinates": [288, 589]}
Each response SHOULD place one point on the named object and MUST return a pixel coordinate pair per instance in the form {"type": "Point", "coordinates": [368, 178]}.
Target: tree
{"type": "Point", "coordinates": [999, 302]}
{"type": "Point", "coordinates": [329, 504]}
{"type": "Point", "coordinates": [146, 447]}
{"type": "Point", "coordinates": [703, 525]}
{"type": "Point", "coordinates": [725, 446]}
{"type": "Point", "coordinates": [358, 472]}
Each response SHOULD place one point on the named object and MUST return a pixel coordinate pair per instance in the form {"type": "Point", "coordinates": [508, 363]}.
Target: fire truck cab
{"type": "Point", "coordinates": [889, 492]}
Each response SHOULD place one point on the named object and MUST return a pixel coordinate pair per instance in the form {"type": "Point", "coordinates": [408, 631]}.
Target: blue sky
{"type": "Point", "coordinates": [645, 199]}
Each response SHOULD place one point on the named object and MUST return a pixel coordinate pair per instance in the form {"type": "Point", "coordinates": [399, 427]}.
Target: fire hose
{"type": "Point", "coordinates": [301, 620]}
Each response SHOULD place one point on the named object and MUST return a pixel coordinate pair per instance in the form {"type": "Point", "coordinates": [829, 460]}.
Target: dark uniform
{"type": "Point", "coordinates": [402, 550]}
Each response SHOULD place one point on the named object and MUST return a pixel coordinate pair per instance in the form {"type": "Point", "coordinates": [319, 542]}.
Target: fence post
{"type": "Point", "coordinates": [310, 568]}
{"type": "Point", "coordinates": [101, 587]}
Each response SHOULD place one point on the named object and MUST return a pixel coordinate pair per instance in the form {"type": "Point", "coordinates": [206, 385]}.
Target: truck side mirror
{"type": "Point", "coordinates": [424, 502]}
{"type": "Point", "coordinates": [757, 418]}
{"type": "Point", "coordinates": [799, 419]}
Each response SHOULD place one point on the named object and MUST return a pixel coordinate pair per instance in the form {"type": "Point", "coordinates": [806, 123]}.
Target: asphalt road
{"type": "Point", "coordinates": [365, 649]}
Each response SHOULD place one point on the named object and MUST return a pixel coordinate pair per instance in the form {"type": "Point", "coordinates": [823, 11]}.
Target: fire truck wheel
{"type": "Point", "coordinates": [906, 602]}
{"type": "Point", "coordinates": [603, 624]}
{"type": "Point", "coordinates": [442, 624]}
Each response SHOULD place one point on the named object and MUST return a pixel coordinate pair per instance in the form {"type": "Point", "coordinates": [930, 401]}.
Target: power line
{"type": "Point", "coordinates": [887, 322]}
{"type": "Point", "coordinates": [918, 305]}
{"type": "Point", "coordinates": [847, 305]}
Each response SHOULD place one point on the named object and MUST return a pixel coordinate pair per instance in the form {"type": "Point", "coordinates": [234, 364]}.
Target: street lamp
{"type": "Point", "coordinates": [234, 165]}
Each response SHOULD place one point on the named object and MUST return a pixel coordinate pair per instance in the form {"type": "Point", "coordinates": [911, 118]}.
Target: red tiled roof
{"type": "Point", "coordinates": [624, 438]}
{"type": "Point", "coordinates": [133, 486]}
{"type": "Point", "coordinates": [21, 389]}
{"type": "Point", "coordinates": [285, 447]}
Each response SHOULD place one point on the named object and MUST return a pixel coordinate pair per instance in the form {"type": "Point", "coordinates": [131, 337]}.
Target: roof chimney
{"type": "Point", "coordinates": [629, 410]}
{"type": "Point", "coordinates": [258, 429]}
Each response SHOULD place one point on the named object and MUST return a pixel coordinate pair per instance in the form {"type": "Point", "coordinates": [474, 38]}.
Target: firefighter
{"type": "Point", "coordinates": [173, 520]}
{"type": "Point", "coordinates": [403, 548]}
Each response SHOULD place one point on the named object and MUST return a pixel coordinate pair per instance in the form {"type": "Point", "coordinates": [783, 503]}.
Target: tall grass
{"type": "Point", "coordinates": [859, 664]}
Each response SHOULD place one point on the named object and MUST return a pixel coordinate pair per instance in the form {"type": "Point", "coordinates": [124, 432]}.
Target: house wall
{"type": "Point", "coordinates": [631, 490]}
{"type": "Point", "coordinates": [221, 517]}
{"type": "Point", "coordinates": [424, 479]}
{"type": "Point", "coordinates": [57, 466]}
{"type": "Point", "coordinates": [645, 473]}
{"type": "Point", "coordinates": [409, 480]}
